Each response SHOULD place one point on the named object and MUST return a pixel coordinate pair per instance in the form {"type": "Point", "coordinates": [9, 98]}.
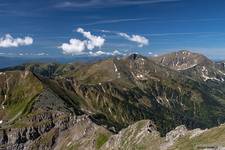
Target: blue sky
{"type": "Point", "coordinates": [167, 25]}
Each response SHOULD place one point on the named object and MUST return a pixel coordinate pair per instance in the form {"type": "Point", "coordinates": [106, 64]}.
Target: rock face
{"type": "Point", "coordinates": [46, 127]}
{"type": "Point", "coordinates": [84, 135]}
{"type": "Point", "coordinates": [57, 133]}
{"type": "Point", "coordinates": [173, 136]}
{"type": "Point", "coordinates": [141, 135]}
{"type": "Point", "coordinates": [176, 133]}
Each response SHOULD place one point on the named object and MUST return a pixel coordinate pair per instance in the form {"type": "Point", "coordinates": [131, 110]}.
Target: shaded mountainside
{"type": "Point", "coordinates": [80, 105]}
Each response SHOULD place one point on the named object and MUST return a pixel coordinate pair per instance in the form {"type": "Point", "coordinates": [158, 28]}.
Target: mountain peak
{"type": "Point", "coordinates": [135, 56]}
{"type": "Point", "coordinates": [182, 60]}
{"type": "Point", "coordinates": [184, 51]}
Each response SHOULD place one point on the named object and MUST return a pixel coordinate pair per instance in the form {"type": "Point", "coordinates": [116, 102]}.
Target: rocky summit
{"type": "Point", "coordinates": [173, 101]}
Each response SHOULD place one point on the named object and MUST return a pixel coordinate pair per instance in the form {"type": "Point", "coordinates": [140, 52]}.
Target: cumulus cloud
{"type": "Point", "coordinates": [93, 41]}
{"type": "Point", "coordinates": [141, 40]}
{"type": "Point", "coordinates": [76, 46]}
{"type": "Point", "coordinates": [9, 41]}
{"type": "Point", "coordinates": [150, 53]}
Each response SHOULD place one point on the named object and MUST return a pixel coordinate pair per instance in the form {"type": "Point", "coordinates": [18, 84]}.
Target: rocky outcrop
{"type": "Point", "coordinates": [84, 135]}
{"type": "Point", "coordinates": [55, 131]}
{"type": "Point", "coordinates": [22, 135]}
{"type": "Point", "coordinates": [142, 134]}
{"type": "Point", "coordinates": [173, 136]}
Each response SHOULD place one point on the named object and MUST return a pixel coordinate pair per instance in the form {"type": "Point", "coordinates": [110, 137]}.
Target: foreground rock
{"type": "Point", "coordinates": [141, 135]}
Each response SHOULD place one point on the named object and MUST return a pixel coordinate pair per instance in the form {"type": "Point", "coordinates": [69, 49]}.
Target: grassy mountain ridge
{"type": "Point", "coordinates": [114, 93]}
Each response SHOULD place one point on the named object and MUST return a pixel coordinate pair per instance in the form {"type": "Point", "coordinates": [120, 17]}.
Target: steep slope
{"type": "Point", "coordinates": [18, 89]}
{"type": "Point", "coordinates": [31, 111]}
{"type": "Point", "coordinates": [210, 74]}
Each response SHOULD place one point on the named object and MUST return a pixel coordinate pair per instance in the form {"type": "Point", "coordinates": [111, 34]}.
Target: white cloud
{"type": "Point", "coordinates": [9, 41]}
{"type": "Point", "coordinates": [93, 41]}
{"type": "Point", "coordinates": [76, 46]}
{"type": "Point", "coordinates": [141, 40]}
{"type": "Point", "coordinates": [116, 52]}
{"type": "Point", "coordinates": [99, 53]}
{"type": "Point", "coordinates": [150, 53]}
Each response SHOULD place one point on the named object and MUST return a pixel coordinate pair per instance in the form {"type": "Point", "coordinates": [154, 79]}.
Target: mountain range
{"type": "Point", "coordinates": [172, 101]}
{"type": "Point", "coordinates": [10, 61]}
